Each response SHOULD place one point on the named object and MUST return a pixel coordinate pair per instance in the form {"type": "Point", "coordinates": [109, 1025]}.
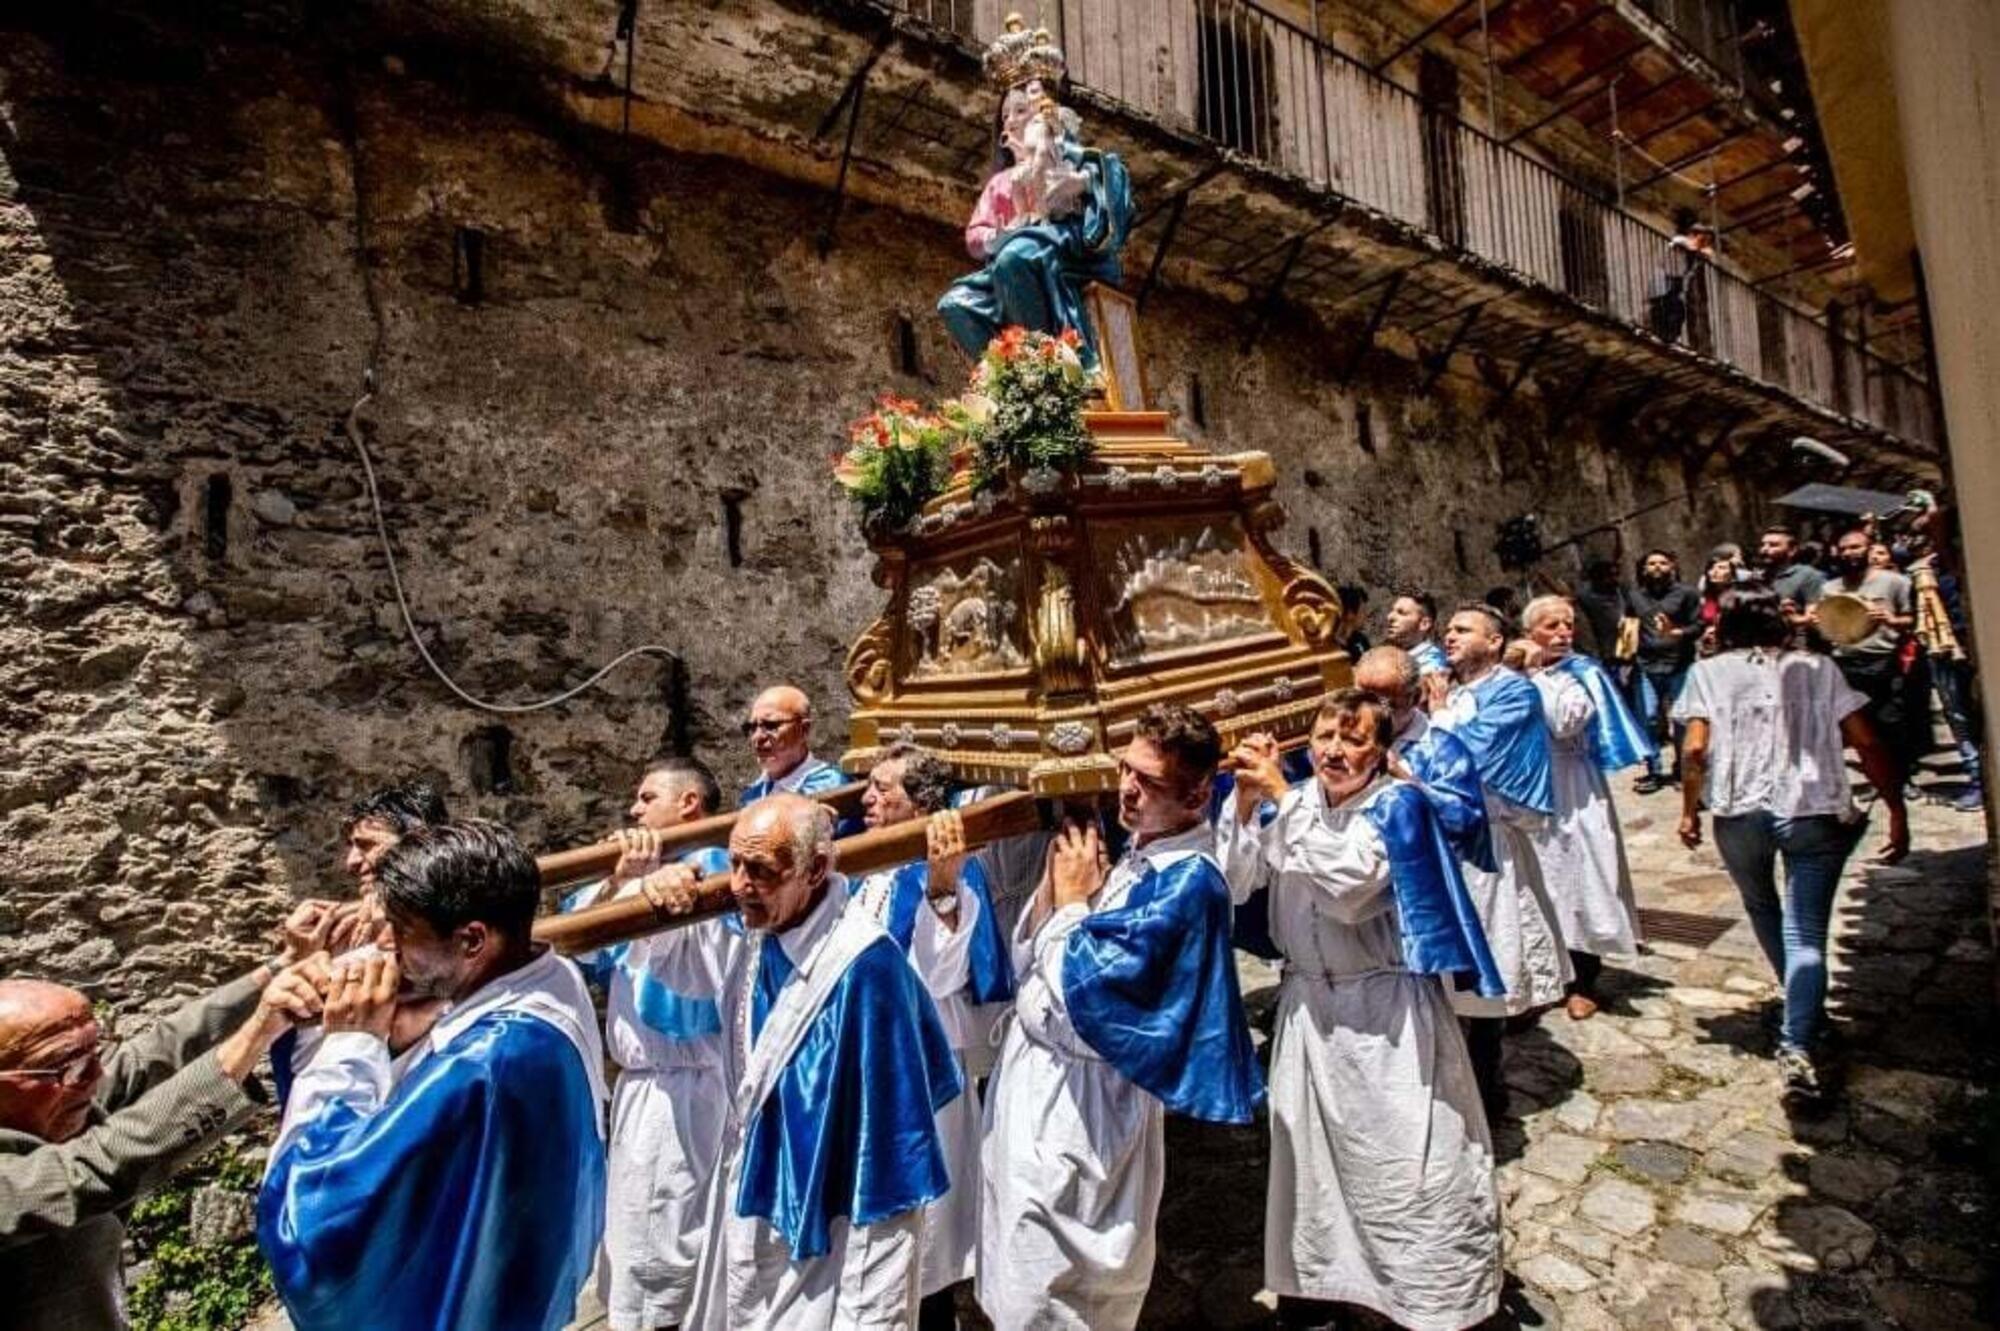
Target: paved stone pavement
{"type": "Point", "coordinates": [1651, 1175]}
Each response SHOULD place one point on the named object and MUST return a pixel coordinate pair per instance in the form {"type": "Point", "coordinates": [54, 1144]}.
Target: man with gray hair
{"type": "Point", "coordinates": [839, 1066]}
{"type": "Point", "coordinates": [939, 910]}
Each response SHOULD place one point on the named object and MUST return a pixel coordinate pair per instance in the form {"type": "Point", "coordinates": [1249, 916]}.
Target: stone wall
{"type": "Point", "coordinates": [615, 431]}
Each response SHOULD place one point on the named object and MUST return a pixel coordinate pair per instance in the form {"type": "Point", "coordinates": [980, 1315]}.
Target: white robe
{"type": "Point", "coordinates": [1074, 1155]}
{"type": "Point", "coordinates": [1513, 904]}
{"type": "Point", "coordinates": [1581, 849]}
{"type": "Point", "coordinates": [748, 1280]}
{"type": "Point", "coordinates": [668, 1112]}
{"type": "Point", "coordinates": [1381, 1187]}
{"type": "Point", "coordinates": [942, 958]}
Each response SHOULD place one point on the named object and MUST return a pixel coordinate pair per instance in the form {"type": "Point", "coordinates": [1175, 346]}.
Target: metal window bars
{"type": "Point", "coordinates": [1258, 84]}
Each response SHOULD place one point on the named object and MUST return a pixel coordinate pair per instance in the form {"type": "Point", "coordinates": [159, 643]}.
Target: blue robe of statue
{"type": "Point", "coordinates": [472, 1199]}
{"type": "Point", "coordinates": [836, 1137]}
{"type": "Point", "coordinates": [991, 977]}
{"type": "Point", "coordinates": [1151, 985]}
{"type": "Point", "coordinates": [1035, 278]}
{"type": "Point", "coordinates": [1509, 740]}
{"type": "Point", "coordinates": [1617, 740]}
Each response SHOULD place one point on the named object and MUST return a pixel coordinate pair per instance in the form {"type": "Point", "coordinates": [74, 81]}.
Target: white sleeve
{"type": "Point", "coordinates": [878, 1274]}
{"type": "Point", "coordinates": [1566, 704]}
{"type": "Point", "coordinates": [1039, 1002]}
{"type": "Point", "coordinates": [943, 956]}
{"type": "Point", "coordinates": [1248, 851]}
{"type": "Point", "coordinates": [693, 960]}
{"type": "Point", "coordinates": [348, 1067]}
{"type": "Point", "coordinates": [1842, 698]}
{"type": "Point", "coordinates": [1693, 704]}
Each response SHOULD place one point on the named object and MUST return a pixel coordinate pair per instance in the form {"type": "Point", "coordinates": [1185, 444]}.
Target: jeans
{"type": "Point", "coordinates": [1653, 696]}
{"type": "Point", "coordinates": [1953, 681]}
{"type": "Point", "coordinates": [1792, 933]}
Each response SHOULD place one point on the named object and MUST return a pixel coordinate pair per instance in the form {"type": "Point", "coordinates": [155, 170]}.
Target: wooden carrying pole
{"type": "Point", "coordinates": [1012, 814]}
{"type": "Point", "coordinates": [595, 861]}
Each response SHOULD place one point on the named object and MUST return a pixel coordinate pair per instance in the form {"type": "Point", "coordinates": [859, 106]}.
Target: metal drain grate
{"type": "Point", "coordinates": [1679, 926]}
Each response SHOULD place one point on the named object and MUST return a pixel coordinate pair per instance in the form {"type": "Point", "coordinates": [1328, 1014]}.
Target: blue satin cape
{"type": "Point", "coordinates": [1617, 740]}
{"type": "Point", "coordinates": [850, 1128]}
{"type": "Point", "coordinates": [675, 1015]}
{"type": "Point", "coordinates": [1429, 657]}
{"type": "Point", "coordinates": [472, 1199]}
{"type": "Point", "coordinates": [1441, 933]}
{"type": "Point", "coordinates": [1151, 986]}
{"type": "Point", "coordinates": [1444, 766]}
{"type": "Point", "coordinates": [1037, 276]}
{"type": "Point", "coordinates": [1509, 740]}
{"type": "Point", "coordinates": [990, 976]}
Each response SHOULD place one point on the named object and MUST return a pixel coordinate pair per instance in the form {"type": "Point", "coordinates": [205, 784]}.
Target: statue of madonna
{"type": "Point", "coordinates": [1052, 217]}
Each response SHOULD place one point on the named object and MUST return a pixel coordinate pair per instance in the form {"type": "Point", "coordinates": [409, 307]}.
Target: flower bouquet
{"type": "Point", "coordinates": [898, 456]}
{"type": "Point", "coordinates": [1024, 410]}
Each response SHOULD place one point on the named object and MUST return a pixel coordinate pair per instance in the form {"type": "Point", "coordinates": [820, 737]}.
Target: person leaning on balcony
{"type": "Point", "coordinates": [83, 1136]}
{"type": "Point", "coordinates": [1667, 301]}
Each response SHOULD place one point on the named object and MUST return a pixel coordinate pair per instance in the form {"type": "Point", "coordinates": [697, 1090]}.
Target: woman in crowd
{"type": "Point", "coordinates": [1766, 728]}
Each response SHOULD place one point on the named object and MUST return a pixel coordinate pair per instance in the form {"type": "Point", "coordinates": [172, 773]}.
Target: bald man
{"type": "Point", "coordinates": [779, 728]}
{"type": "Point", "coordinates": [83, 1137]}
{"type": "Point", "coordinates": [840, 1066]}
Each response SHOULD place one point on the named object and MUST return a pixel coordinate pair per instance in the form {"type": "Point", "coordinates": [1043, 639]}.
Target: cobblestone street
{"type": "Point", "coordinates": [1650, 1173]}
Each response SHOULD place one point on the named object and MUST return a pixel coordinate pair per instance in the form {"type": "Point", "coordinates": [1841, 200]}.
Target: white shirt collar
{"type": "Point", "coordinates": [550, 989]}
{"type": "Point", "coordinates": [1196, 840]}
{"type": "Point", "coordinates": [797, 941]}
{"type": "Point", "coordinates": [792, 780]}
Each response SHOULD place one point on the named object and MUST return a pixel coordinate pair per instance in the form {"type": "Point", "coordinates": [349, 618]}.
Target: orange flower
{"type": "Point", "coordinates": [1071, 338]}
{"type": "Point", "coordinates": [1011, 339]}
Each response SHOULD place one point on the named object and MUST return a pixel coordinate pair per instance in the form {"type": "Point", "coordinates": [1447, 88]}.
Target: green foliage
{"type": "Point", "coordinates": [1032, 389]}
{"type": "Point", "coordinates": [188, 1286]}
{"type": "Point", "coordinates": [898, 457]}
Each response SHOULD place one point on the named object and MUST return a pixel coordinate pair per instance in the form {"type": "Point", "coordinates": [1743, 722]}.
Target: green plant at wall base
{"type": "Point", "coordinates": [189, 1286]}
{"type": "Point", "coordinates": [1027, 398]}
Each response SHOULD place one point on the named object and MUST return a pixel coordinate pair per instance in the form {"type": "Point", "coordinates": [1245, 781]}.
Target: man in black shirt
{"type": "Point", "coordinates": [1669, 615]}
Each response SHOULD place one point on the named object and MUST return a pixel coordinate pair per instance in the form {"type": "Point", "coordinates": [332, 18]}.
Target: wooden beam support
{"type": "Point", "coordinates": [1269, 305]}
{"type": "Point", "coordinates": [1574, 398]}
{"type": "Point", "coordinates": [1375, 317]}
{"type": "Point", "coordinates": [850, 98]}
{"type": "Point", "coordinates": [1435, 366]}
{"type": "Point", "coordinates": [1413, 43]}
{"type": "Point", "coordinates": [1690, 158]}
{"type": "Point", "coordinates": [1565, 108]}
{"type": "Point", "coordinates": [1561, 34]}
{"type": "Point", "coordinates": [1525, 364]}
{"type": "Point", "coordinates": [1637, 140]}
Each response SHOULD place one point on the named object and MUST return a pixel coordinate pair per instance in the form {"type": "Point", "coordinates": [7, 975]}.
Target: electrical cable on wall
{"type": "Point", "coordinates": [409, 623]}
{"type": "Point", "coordinates": [352, 134]}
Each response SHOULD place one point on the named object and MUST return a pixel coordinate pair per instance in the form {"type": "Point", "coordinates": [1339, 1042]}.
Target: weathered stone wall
{"type": "Point", "coordinates": [621, 437]}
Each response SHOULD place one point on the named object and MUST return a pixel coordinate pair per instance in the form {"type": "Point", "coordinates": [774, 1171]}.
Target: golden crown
{"type": "Point", "coordinates": [1019, 55]}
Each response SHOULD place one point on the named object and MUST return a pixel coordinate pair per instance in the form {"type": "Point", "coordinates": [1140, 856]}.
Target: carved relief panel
{"type": "Point", "coordinates": [1176, 583]}
{"type": "Point", "coordinates": [964, 617]}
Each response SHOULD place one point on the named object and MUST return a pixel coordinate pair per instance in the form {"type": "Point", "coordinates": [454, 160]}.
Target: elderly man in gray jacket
{"type": "Point", "coordinates": [82, 1138]}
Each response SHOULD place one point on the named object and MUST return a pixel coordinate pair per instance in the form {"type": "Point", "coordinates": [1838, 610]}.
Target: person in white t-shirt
{"type": "Point", "coordinates": [1766, 734]}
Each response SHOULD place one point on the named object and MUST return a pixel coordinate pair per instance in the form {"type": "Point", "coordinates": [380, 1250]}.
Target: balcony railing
{"type": "Point", "coordinates": [1259, 84]}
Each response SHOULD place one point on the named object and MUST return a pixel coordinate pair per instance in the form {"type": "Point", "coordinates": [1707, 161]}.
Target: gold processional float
{"type": "Point", "coordinates": [1056, 560]}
